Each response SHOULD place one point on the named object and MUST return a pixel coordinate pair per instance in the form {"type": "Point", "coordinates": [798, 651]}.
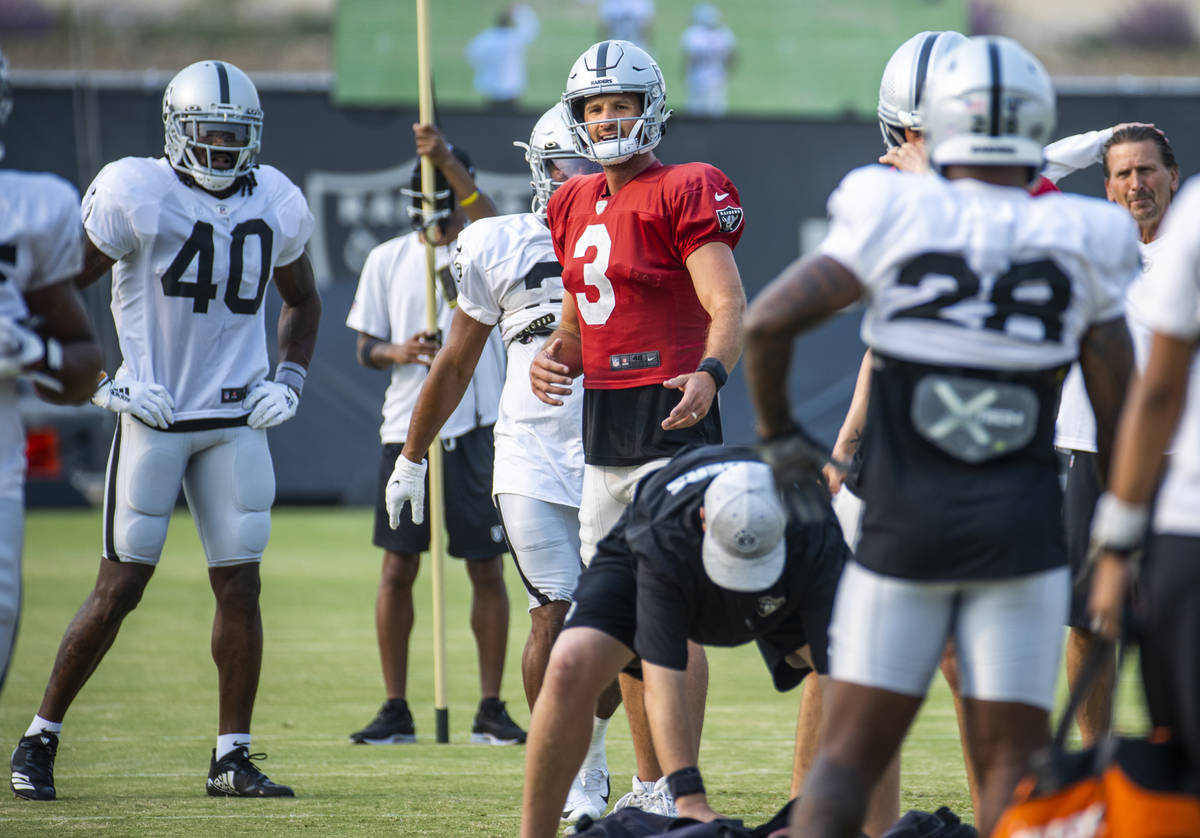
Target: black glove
{"type": "Point", "coordinates": [796, 459]}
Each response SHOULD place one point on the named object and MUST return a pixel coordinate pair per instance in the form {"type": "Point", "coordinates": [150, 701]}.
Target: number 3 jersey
{"type": "Point", "coordinates": [507, 274]}
{"type": "Point", "coordinates": [191, 274]}
{"type": "Point", "coordinates": [623, 261]}
{"type": "Point", "coordinates": [41, 243]}
{"type": "Point", "coordinates": [978, 296]}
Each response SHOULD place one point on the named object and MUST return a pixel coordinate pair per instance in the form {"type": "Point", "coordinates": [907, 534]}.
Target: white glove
{"type": "Point", "coordinates": [270, 403]}
{"type": "Point", "coordinates": [150, 403]}
{"type": "Point", "coordinates": [19, 347]}
{"type": "Point", "coordinates": [406, 485]}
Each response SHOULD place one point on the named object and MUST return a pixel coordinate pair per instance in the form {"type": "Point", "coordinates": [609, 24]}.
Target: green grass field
{"type": "Point", "coordinates": [136, 744]}
{"type": "Point", "coordinates": [810, 58]}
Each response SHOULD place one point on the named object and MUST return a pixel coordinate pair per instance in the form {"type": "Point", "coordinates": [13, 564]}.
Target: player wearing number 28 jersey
{"type": "Point", "coordinates": [979, 296]}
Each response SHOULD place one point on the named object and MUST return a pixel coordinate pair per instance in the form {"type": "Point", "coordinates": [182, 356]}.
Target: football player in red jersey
{"type": "Point", "coordinates": [652, 314]}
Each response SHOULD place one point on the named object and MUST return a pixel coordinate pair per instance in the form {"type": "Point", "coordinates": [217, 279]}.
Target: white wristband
{"type": "Point", "coordinates": [1117, 525]}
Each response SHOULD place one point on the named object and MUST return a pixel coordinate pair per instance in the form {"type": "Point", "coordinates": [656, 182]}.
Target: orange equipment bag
{"type": "Point", "coordinates": [1121, 788]}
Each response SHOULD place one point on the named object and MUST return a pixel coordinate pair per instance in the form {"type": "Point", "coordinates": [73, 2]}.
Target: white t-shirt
{"type": "Point", "coordinates": [507, 273]}
{"type": "Point", "coordinates": [706, 51]}
{"type": "Point", "coordinates": [627, 20]}
{"type": "Point", "coordinates": [498, 55]}
{"type": "Point", "coordinates": [968, 274]}
{"type": "Point", "coordinates": [41, 243]}
{"type": "Point", "coordinates": [1171, 306]}
{"type": "Point", "coordinates": [1075, 428]}
{"type": "Point", "coordinates": [390, 305]}
{"type": "Point", "coordinates": [192, 271]}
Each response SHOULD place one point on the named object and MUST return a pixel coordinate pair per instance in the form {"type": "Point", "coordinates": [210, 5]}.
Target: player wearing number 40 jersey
{"type": "Point", "coordinates": [193, 240]}
{"type": "Point", "coordinates": [979, 297]}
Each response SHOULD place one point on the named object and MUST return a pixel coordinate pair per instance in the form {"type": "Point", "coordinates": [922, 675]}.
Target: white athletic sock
{"type": "Point", "coordinates": [39, 725]}
{"type": "Point", "coordinates": [227, 742]}
{"type": "Point", "coordinates": [596, 757]}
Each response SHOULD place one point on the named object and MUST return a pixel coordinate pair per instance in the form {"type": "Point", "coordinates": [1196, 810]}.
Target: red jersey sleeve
{"type": "Point", "coordinates": [1042, 186]}
{"type": "Point", "coordinates": [707, 208]}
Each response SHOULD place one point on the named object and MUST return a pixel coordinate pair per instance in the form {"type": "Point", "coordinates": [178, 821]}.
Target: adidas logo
{"type": "Point", "coordinates": [223, 782]}
{"type": "Point", "coordinates": [21, 782]}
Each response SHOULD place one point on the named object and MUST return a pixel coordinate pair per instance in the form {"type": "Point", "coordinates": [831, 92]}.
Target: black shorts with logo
{"type": "Point", "coordinates": [471, 519]}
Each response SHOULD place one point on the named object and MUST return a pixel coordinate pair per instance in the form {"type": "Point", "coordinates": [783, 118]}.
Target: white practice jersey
{"type": "Point", "coordinates": [390, 305]}
{"type": "Point", "coordinates": [192, 271]}
{"type": "Point", "coordinates": [969, 274]}
{"type": "Point", "coordinates": [1075, 428]}
{"type": "Point", "coordinates": [41, 243]}
{"type": "Point", "coordinates": [1171, 306]}
{"type": "Point", "coordinates": [507, 273]}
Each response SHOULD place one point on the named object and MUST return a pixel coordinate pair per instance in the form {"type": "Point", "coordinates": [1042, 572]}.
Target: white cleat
{"type": "Point", "coordinates": [579, 803]}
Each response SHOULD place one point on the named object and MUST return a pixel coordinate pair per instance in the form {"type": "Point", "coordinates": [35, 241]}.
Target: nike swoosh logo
{"type": "Point", "coordinates": [720, 196]}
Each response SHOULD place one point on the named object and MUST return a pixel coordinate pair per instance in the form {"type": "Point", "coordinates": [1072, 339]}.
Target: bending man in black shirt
{"type": "Point", "coordinates": [705, 553]}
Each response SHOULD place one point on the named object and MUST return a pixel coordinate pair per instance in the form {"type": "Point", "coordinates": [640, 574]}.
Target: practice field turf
{"type": "Point", "coordinates": [136, 745]}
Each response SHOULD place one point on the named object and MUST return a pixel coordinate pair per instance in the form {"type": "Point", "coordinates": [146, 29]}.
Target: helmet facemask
{"type": "Point", "coordinates": [214, 165]}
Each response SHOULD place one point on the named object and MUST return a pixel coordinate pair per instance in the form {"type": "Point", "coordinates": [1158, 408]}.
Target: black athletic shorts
{"type": "Point", "coordinates": [1169, 627]}
{"type": "Point", "coordinates": [1079, 502]}
{"type": "Point", "coordinates": [471, 519]}
{"type": "Point", "coordinates": [606, 600]}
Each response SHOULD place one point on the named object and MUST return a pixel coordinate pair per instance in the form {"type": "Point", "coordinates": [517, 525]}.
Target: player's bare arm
{"type": "Point", "coordinates": [719, 288]}
{"type": "Point", "coordinates": [446, 383]}
{"type": "Point", "coordinates": [1149, 419]}
{"type": "Point", "coordinates": [95, 264]}
{"type": "Point", "coordinates": [807, 292]}
{"type": "Point", "coordinates": [665, 697]}
{"type": "Point", "coordinates": [59, 313]}
{"type": "Point", "coordinates": [560, 360]}
{"type": "Point", "coordinates": [431, 143]}
{"type": "Point", "coordinates": [1106, 360]}
{"type": "Point", "coordinates": [850, 434]}
{"type": "Point", "coordinates": [301, 312]}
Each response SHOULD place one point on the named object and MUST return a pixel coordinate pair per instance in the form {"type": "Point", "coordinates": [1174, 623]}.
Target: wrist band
{"type": "Point", "coordinates": [1117, 525]}
{"type": "Point", "coordinates": [364, 352]}
{"type": "Point", "coordinates": [54, 354]}
{"type": "Point", "coordinates": [716, 369]}
{"type": "Point", "coordinates": [685, 781]}
{"type": "Point", "coordinates": [291, 374]}
{"type": "Point", "coordinates": [470, 199]}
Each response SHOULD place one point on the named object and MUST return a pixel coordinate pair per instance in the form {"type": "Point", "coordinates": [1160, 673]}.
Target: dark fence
{"type": "Point", "coordinates": [351, 163]}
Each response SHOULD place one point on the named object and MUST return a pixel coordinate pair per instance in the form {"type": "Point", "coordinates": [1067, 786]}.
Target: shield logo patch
{"type": "Point", "coordinates": [729, 219]}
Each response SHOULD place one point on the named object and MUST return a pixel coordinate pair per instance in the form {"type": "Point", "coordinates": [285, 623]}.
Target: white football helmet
{"type": "Point", "coordinates": [904, 79]}
{"type": "Point", "coordinates": [990, 103]}
{"type": "Point", "coordinates": [208, 97]}
{"type": "Point", "coordinates": [550, 152]}
{"type": "Point", "coordinates": [617, 67]}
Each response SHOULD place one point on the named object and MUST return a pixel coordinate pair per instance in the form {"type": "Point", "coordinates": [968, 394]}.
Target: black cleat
{"type": "Point", "coordinates": [392, 726]}
{"type": "Point", "coordinates": [493, 725]}
{"type": "Point", "coordinates": [33, 766]}
{"type": "Point", "coordinates": [234, 775]}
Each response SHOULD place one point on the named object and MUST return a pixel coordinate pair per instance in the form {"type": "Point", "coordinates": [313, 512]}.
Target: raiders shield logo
{"type": "Point", "coordinates": [729, 219]}
{"type": "Point", "coordinates": [768, 605]}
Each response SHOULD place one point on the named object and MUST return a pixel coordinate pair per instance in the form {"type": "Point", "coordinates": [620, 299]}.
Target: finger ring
{"type": "Point", "coordinates": [695, 418]}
